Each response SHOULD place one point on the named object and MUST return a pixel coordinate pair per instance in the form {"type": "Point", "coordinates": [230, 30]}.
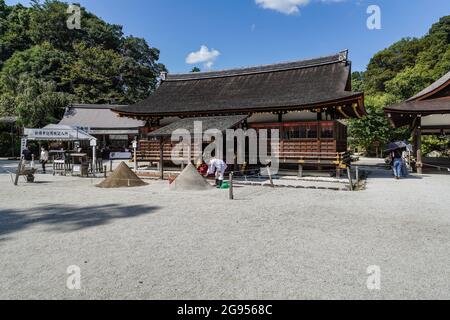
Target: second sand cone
{"type": "Point", "coordinates": [190, 179]}
{"type": "Point", "coordinates": [122, 177]}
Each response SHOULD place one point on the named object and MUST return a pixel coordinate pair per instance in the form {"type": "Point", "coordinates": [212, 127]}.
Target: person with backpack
{"type": "Point", "coordinates": [397, 163]}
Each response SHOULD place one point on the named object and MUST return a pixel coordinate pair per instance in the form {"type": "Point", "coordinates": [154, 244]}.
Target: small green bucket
{"type": "Point", "coordinates": [225, 185]}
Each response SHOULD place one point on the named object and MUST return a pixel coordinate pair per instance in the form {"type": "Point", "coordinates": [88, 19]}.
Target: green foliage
{"type": "Point", "coordinates": [396, 74]}
{"type": "Point", "coordinates": [41, 62]}
{"type": "Point", "coordinates": [196, 69]}
{"type": "Point", "coordinates": [434, 143]}
{"type": "Point", "coordinates": [96, 64]}
{"type": "Point", "coordinates": [374, 128]}
{"type": "Point", "coordinates": [14, 27]}
{"type": "Point", "coordinates": [35, 102]}
{"type": "Point", "coordinates": [358, 80]}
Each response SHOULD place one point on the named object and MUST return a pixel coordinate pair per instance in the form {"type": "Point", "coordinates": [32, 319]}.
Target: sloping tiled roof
{"type": "Point", "coordinates": [8, 119]}
{"type": "Point", "coordinates": [307, 83]}
{"type": "Point", "coordinates": [97, 116]}
{"type": "Point", "coordinates": [434, 99]}
{"type": "Point", "coordinates": [220, 123]}
{"type": "Point", "coordinates": [436, 85]}
{"type": "Point", "coordinates": [423, 106]}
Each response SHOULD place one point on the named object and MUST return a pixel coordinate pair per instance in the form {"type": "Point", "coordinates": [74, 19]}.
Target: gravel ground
{"type": "Point", "coordinates": [149, 243]}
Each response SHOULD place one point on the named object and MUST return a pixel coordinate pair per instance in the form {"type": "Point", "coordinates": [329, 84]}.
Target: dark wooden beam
{"type": "Point", "coordinates": [280, 117]}
{"type": "Point", "coordinates": [319, 116]}
{"type": "Point", "coordinates": [161, 158]}
{"type": "Point", "coordinates": [419, 163]}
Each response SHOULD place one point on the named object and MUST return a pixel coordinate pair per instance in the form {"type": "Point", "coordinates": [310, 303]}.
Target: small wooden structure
{"type": "Point", "coordinates": [60, 162]}
{"type": "Point", "coordinates": [80, 164]}
{"type": "Point", "coordinates": [426, 113]}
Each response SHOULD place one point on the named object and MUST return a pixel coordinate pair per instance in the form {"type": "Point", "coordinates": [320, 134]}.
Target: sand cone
{"type": "Point", "coordinates": [190, 179]}
{"type": "Point", "coordinates": [122, 177]}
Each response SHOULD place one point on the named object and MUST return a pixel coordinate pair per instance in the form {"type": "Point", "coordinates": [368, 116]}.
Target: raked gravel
{"type": "Point", "coordinates": [282, 243]}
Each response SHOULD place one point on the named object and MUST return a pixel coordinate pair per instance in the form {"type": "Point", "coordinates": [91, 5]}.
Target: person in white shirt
{"type": "Point", "coordinates": [217, 167]}
{"type": "Point", "coordinates": [44, 158]}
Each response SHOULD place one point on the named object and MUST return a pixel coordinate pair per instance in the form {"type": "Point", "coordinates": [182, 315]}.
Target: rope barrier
{"type": "Point", "coordinates": [434, 166]}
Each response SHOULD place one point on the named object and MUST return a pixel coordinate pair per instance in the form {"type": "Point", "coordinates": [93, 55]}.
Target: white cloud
{"type": "Point", "coordinates": [284, 6]}
{"type": "Point", "coordinates": [204, 55]}
{"type": "Point", "coordinates": [287, 6]}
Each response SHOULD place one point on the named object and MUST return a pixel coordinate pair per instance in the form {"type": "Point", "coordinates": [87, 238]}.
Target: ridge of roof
{"type": "Point", "coordinates": [434, 86]}
{"type": "Point", "coordinates": [95, 106]}
{"type": "Point", "coordinates": [339, 57]}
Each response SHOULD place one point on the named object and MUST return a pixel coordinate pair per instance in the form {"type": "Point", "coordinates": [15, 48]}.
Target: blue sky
{"type": "Point", "coordinates": [238, 33]}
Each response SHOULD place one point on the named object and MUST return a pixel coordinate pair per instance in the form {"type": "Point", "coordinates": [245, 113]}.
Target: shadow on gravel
{"type": "Point", "coordinates": [66, 218]}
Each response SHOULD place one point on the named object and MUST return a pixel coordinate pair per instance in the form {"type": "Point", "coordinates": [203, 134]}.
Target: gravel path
{"type": "Point", "coordinates": [149, 243]}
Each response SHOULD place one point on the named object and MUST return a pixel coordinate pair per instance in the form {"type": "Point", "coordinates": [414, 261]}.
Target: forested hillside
{"type": "Point", "coordinates": [396, 74]}
{"type": "Point", "coordinates": [44, 65]}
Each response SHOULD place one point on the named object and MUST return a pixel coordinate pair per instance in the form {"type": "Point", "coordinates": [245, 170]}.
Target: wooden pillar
{"type": "Point", "coordinates": [419, 163]}
{"type": "Point", "coordinates": [338, 172]}
{"type": "Point", "coordinates": [231, 193]}
{"type": "Point", "coordinates": [319, 116]}
{"type": "Point", "coordinates": [350, 179]}
{"type": "Point", "coordinates": [161, 158]}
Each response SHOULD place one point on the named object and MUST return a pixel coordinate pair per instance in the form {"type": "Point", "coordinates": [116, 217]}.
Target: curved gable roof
{"type": "Point", "coordinates": [305, 83]}
{"type": "Point", "coordinates": [433, 88]}
{"type": "Point", "coordinates": [98, 117]}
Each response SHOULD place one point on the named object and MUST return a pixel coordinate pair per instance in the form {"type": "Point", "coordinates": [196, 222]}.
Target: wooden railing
{"type": "Point", "coordinates": [288, 153]}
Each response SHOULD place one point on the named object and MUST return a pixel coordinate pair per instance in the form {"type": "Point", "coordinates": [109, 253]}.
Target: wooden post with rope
{"type": "Point", "coordinates": [350, 179]}
{"type": "Point", "coordinates": [19, 168]}
{"type": "Point", "coordinates": [357, 175]}
{"type": "Point", "coordinates": [270, 176]}
{"type": "Point", "coordinates": [231, 186]}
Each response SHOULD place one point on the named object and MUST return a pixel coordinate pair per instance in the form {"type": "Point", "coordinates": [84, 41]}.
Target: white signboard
{"type": "Point", "coordinates": [120, 155]}
{"type": "Point", "coordinates": [56, 134]}
{"type": "Point", "coordinates": [122, 137]}
{"type": "Point", "coordinates": [23, 144]}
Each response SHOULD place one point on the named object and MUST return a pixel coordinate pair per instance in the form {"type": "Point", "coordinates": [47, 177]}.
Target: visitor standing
{"type": "Point", "coordinates": [44, 159]}
{"type": "Point", "coordinates": [397, 163]}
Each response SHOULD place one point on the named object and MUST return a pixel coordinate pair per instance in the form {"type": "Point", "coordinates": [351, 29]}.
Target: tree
{"type": "Point", "coordinates": [196, 69]}
{"type": "Point", "coordinates": [95, 75]}
{"type": "Point", "coordinates": [35, 102]}
{"type": "Point", "coordinates": [41, 61]}
{"type": "Point", "coordinates": [374, 127]}
{"type": "Point", "coordinates": [358, 80]}
{"type": "Point", "coordinates": [396, 74]}
{"type": "Point", "coordinates": [14, 27]}
{"type": "Point", "coordinates": [96, 64]}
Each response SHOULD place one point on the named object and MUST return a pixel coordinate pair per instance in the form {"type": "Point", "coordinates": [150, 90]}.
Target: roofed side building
{"type": "Point", "coordinates": [102, 123]}
{"type": "Point", "coordinates": [432, 105]}
{"type": "Point", "coordinates": [427, 112]}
